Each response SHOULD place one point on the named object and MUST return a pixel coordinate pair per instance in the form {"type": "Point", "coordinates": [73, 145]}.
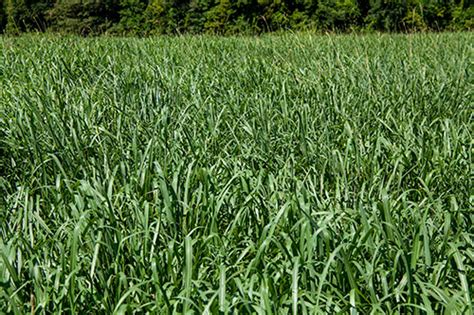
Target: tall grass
{"type": "Point", "coordinates": [294, 174]}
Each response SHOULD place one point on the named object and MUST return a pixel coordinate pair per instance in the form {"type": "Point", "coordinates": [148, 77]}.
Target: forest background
{"type": "Point", "coordinates": [153, 17]}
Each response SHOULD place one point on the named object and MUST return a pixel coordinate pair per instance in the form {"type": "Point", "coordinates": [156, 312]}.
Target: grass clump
{"type": "Point", "coordinates": [293, 174]}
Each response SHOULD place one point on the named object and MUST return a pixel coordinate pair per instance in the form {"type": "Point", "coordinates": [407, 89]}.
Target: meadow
{"type": "Point", "coordinates": [290, 174]}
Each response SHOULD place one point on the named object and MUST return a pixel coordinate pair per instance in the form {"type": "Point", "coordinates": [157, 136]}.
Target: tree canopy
{"type": "Point", "coordinates": [145, 17]}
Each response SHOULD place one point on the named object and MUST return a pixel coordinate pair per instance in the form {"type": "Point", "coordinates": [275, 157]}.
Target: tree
{"type": "Point", "coordinates": [3, 17]}
{"type": "Point", "coordinates": [15, 15]}
{"type": "Point", "coordinates": [143, 17]}
{"type": "Point", "coordinates": [132, 16]}
{"type": "Point", "coordinates": [337, 14]}
{"type": "Point", "coordinates": [387, 15]}
{"type": "Point", "coordinates": [218, 16]}
{"type": "Point", "coordinates": [462, 15]}
{"type": "Point", "coordinates": [195, 18]}
{"type": "Point", "coordinates": [84, 16]}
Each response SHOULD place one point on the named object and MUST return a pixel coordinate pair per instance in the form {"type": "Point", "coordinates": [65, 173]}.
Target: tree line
{"type": "Point", "coordinates": [148, 17]}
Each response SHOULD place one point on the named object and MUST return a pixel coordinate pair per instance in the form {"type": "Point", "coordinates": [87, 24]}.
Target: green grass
{"type": "Point", "coordinates": [290, 174]}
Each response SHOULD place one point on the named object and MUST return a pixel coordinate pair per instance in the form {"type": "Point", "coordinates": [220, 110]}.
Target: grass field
{"type": "Point", "coordinates": [292, 174]}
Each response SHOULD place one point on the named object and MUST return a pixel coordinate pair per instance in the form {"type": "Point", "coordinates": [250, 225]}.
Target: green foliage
{"type": "Point", "coordinates": [16, 12]}
{"type": "Point", "coordinates": [3, 16]}
{"type": "Point", "coordinates": [38, 11]}
{"type": "Point", "coordinates": [337, 14]}
{"type": "Point", "coordinates": [143, 17]}
{"type": "Point", "coordinates": [132, 17]}
{"type": "Point", "coordinates": [19, 16]}
{"type": "Point", "coordinates": [463, 16]}
{"type": "Point", "coordinates": [387, 14]}
{"type": "Point", "coordinates": [195, 19]}
{"type": "Point", "coordinates": [84, 16]}
{"type": "Point", "coordinates": [293, 174]}
{"type": "Point", "coordinates": [165, 16]}
{"type": "Point", "coordinates": [155, 15]}
{"type": "Point", "coordinates": [218, 16]}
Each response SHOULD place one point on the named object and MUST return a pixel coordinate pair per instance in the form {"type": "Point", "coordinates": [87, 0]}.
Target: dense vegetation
{"type": "Point", "coordinates": [144, 17]}
{"type": "Point", "coordinates": [295, 174]}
